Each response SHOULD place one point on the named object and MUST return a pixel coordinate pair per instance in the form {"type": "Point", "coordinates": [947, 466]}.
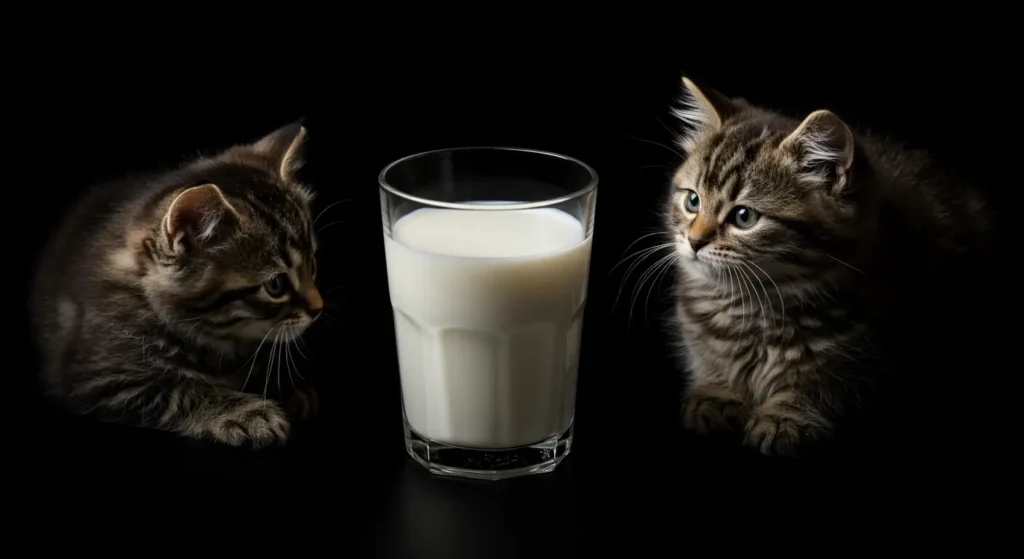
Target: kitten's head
{"type": "Point", "coordinates": [232, 248]}
{"type": "Point", "coordinates": [759, 188]}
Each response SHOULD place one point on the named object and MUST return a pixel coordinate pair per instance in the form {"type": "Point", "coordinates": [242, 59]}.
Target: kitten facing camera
{"type": "Point", "coordinates": [807, 254]}
{"type": "Point", "coordinates": [170, 301]}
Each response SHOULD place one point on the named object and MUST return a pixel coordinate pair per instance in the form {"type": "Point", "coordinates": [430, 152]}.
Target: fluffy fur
{"type": "Point", "coordinates": [806, 253]}
{"type": "Point", "coordinates": [153, 297]}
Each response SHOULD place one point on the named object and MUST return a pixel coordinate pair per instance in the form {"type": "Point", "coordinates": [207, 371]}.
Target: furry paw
{"type": "Point", "coordinates": [304, 403]}
{"type": "Point", "coordinates": [781, 431]}
{"type": "Point", "coordinates": [255, 422]}
{"type": "Point", "coordinates": [712, 411]}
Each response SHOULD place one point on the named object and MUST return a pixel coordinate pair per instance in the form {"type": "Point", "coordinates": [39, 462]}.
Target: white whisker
{"type": "Point", "coordinates": [657, 277]}
{"type": "Point", "coordinates": [644, 254]}
{"type": "Point", "coordinates": [270, 364]}
{"type": "Point", "coordinates": [763, 290]}
{"type": "Point", "coordinates": [718, 284]}
{"type": "Point", "coordinates": [321, 229]}
{"type": "Point", "coordinates": [782, 301]}
{"type": "Point", "coordinates": [294, 365]}
{"type": "Point", "coordinates": [659, 144]}
{"type": "Point", "coordinates": [743, 307]}
{"type": "Point", "coordinates": [254, 354]}
{"type": "Point", "coordinates": [284, 346]}
{"type": "Point", "coordinates": [753, 289]}
{"type": "Point", "coordinates": [200, 317]}
{"type": "Point", "coordinates": [649, 273]}
{"type": "Point", "coordinates": [301, 343]}
{"type": "Point", "coordinates": [329, 206]}
{"type": "Point", "coordinates": [623, 259]}
{"type": "Point", "coordinates": [288, 363]}
{"type": "Point", "coordinates": [845, 264]}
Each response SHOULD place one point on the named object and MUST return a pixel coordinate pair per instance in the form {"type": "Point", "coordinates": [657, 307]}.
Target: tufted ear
{"type": "Point", "coordinates": [284, 147]}
{"type": "Point", "coordinates": [197, 216]}
{"type": "Point", "coordinates": [823, 146]}
{"type": "Point", "coordinates": [703, 110]}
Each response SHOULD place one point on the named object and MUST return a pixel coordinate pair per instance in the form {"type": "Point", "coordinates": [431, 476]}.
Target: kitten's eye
{"type": "Point", "coordinates": [277, 285]}
{"type": "Point", "coordinates": [691, 201]}
{"type": "Point", "coordinates": [745, 217]}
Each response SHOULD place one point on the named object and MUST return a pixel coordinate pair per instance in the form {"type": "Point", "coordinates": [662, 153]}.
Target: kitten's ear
{"type": "Point", "coordinates": [704, 109]}
{"type": "Point", "coordinates": [197, 216]}
{"type": "Point", "coordinates": [284, 147]}
{"type": "Point", "coordinates": [823, 146]}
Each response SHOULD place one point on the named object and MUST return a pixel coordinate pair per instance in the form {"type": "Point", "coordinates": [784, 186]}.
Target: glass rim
{"type": "Point", "coordinates": [590, 186]}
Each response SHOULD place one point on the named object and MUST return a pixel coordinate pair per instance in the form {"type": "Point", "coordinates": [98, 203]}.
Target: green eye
{"type": "Point", "coordinates": [745, 217]}
{"type": "Point", "coordinates": [277, 286]}
{"type": "Point", "coordinates": [691, 201]}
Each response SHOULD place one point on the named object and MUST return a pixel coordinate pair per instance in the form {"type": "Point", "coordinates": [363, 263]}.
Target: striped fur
{"type": "Point", "coordinates": [152, 299]}
{"type": "Point", "coordinates": [788, 234]}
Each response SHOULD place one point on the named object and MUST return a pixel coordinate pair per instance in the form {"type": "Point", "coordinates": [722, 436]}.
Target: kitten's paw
{"type": "Point", "coordinates": [778, 431]}
{"type": "Point", "coordinates": [712, 411]}
{"type": "Point", "coordinates": [256, 422]}
{"type": "Point", "coordinates": [304, 403]}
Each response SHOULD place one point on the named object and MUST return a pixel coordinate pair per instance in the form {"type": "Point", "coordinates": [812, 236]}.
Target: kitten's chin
{"type": "Point", "coordinates": [692, 260]}
{"type": "Point", "coordinates": [707, 267]}
{"type": "Point", "coordinates": [697, 267]}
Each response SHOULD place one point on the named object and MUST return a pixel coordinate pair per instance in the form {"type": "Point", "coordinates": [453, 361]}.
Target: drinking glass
{"type": "Point", "coordinates": [488, 258]}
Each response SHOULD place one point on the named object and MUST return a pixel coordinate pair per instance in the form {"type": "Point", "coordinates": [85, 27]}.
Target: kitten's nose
{"type": "Point", "coordinates": [314, 302]}
{"type": "Point", "coordinates": [697, 242]}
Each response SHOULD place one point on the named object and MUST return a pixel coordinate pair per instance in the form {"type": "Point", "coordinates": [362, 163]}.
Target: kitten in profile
{"type": "Point", "coordinates": [168, 301]}
{"type": "Point", "coordinates": [805, 253]}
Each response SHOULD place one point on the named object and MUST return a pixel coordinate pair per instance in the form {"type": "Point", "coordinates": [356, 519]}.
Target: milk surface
{"type": "Point", "coordinates": [488, 316]}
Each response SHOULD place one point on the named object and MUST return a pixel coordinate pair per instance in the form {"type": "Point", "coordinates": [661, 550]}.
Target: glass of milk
{"type": "Point", "coordinates": [488, 257]}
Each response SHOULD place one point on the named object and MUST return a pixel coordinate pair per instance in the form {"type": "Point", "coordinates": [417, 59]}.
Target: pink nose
{"type": "Point", "coordinates": [696, 243]}
{"type": "Point", "coordinates": [314, 302]}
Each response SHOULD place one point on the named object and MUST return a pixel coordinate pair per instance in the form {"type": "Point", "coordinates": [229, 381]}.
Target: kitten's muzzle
{"type": "Point", "coordinates": [313, 303]}
{"type": "Point", "coordinates": [697, 243]}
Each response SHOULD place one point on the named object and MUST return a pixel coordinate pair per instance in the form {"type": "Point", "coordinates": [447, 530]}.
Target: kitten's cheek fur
{"type": "Point", "coordinates": [255, 331]}
{"type": "Point", "coordinates": [261, 330]}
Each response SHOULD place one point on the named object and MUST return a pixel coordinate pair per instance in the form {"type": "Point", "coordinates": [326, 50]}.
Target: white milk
{"type": "Point", "coordinates": [488, 315]}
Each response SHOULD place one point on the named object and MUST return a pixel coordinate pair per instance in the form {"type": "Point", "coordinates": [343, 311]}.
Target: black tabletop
{"type": "Point", "coordinates": [344, 483]}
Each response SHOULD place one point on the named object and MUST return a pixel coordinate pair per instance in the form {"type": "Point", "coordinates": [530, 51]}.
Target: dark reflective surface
{"type": "Point", "coordinates": [344, 485]}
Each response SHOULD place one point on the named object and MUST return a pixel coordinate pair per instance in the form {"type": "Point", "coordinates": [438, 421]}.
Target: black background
{"type": "Point", "coordinates": [345, 482]}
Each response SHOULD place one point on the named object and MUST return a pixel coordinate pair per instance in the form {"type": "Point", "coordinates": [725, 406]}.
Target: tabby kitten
{"type": "Point", "coordinates": [153, 298]}
{"type": "Point", "coordinates": [803, 251]}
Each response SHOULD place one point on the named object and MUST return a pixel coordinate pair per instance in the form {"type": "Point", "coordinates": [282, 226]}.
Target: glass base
{"type": "Point", "coordinates": [491, 465]}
